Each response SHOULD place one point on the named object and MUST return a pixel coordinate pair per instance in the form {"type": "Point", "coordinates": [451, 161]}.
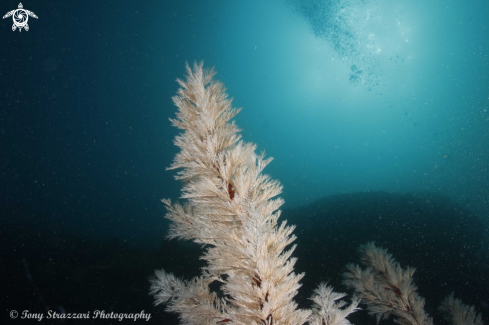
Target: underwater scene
{"type": "Point", "coordinates": [136, 183]}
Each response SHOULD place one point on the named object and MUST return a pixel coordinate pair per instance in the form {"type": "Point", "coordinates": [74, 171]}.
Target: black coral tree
{"type": "Point", "coordinates": [232, 209]}
{"type": "Point", "coordinates": [389, 290]}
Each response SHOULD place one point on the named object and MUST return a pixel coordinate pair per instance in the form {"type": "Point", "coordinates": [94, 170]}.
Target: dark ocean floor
{"type": "Point", "coordinates": [65, 272]}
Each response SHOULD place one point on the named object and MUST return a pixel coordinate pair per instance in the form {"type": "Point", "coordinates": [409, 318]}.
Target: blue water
{"type": "Point", "coordinates": [364, 96]}
{"type": "Point", "coordinates": [348, 96]}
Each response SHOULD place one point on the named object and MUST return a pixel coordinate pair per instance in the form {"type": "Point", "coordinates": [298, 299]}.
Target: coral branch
{"type": "Point", "coordinates": [230, 208]}
{"type": "Point", "coordinates": [455, 312]}
{"type": "Point", "coordinates": [386, 288]}
{"type": "Point", "coordinates": [327, 307]}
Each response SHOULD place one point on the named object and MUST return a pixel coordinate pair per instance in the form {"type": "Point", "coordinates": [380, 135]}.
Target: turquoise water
{"type": "Point", "coordinates": [359, 95]}
{"type": "Point", "coordinates": [348, 96]}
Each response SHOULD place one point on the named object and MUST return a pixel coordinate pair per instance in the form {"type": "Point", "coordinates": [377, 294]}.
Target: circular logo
{"type": "Point", "coordinates": [20, 17]}
{"type": "Point", "coordinates": [14, 314]}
